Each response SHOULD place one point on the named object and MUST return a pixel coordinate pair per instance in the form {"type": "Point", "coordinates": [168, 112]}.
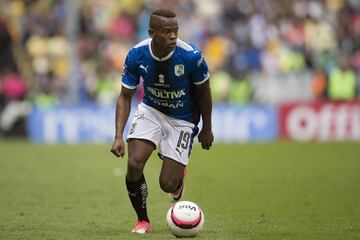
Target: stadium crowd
{"type": "Point", "coordinates": [243, 41]}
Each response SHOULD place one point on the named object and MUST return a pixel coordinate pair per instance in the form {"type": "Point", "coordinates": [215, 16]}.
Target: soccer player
{"type": "Point", "coordinates": [176, 94]}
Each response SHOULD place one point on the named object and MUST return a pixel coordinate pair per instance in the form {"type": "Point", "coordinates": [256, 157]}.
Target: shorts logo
{"type": "Point", "coordinates": [179, 70]}
{"type": "Point", "coordinates": [180, 152]}
{"type": "Point", "coordinates": [132, 130]}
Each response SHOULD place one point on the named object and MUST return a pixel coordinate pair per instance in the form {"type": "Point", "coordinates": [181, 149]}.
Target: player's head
{"type": "Point", "coordinates": [163, 29]}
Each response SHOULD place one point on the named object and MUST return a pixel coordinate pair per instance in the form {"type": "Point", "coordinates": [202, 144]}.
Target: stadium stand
{"type": "Point", "coordinates": [258, 51]}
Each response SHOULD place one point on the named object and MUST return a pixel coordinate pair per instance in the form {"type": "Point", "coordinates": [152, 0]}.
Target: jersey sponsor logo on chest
{"type": "Point", "coordinates": [179, 70]}
{"type": "Point", "coordinates": [160, 93]}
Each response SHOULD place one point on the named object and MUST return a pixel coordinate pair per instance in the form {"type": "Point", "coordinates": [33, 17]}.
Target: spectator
{"type": "Point", "coordinates": [318, 85]}
{"type": "Point", "coordinates": [6, 56]}
{"type": "Point", "coordinates": [13, 109]}
{"type": "Point", "coordinates": [271, 39]}
{"type": "Point", "coordinates": [105, 92]}
{"type": "Point", "coordinates": [241, 89]}
{"type": "Point", "coordinates": [342, 81]}
{"type": "Point", "coordinates": [220, 86]}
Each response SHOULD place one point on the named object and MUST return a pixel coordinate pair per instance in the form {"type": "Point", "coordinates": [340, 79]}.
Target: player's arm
{"type": "Point", "coordinates": [206, 136]}
{"type": "Point", "coordinates": [130, 80]}
{"type": "Point", "coordinates": [200, 77]}
{"type": "Point", "coordinates": [123, 108]}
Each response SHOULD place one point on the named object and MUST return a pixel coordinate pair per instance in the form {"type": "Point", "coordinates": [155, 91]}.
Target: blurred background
{"type": "Point", "coordinates": [280, 69]}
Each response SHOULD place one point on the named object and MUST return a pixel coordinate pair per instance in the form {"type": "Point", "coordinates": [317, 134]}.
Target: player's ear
{"type": "Point", "coordinates": [151, 32]}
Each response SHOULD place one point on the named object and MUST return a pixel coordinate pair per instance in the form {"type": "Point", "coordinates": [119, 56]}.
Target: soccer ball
{"type": "Point", "coordinates": [185, 219]}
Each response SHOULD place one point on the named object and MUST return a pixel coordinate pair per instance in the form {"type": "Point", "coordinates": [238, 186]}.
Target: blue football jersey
{"type": "Point", "coordinates": [169, 82]}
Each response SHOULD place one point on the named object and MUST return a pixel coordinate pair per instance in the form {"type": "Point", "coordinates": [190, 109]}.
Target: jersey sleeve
{"type": "Point", "coordinates": [130, 75]}
{"type": "Point", "coordinates": [200, 73]}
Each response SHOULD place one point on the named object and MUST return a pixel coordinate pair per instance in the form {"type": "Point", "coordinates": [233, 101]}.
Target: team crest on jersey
{"type": "Point", "coordinates": [179, 70]}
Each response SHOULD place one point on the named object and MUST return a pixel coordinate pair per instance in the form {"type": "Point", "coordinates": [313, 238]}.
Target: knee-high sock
{"type": "Point", "coordinates": [138, 193]}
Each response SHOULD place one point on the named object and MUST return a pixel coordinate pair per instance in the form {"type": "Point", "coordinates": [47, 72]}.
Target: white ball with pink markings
{"type": "Point", "coordinates": [185, 219]}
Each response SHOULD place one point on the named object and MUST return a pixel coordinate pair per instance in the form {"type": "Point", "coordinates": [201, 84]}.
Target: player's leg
{"type": "Point", "coordinates": [143, 137]}
{"type": "Point", "coordinates": [139, 152]}
{"type": "Point", "coordinates": [171, 175]}
{"type": "Point", "coordinates": [175, 149]}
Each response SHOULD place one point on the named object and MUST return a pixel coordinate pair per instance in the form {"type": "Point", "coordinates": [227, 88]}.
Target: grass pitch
{"type": "Point", "coordinates": [247, 191]}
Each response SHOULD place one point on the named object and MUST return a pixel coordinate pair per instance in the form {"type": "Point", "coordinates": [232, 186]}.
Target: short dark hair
{"type": "Point", "coordinates": [163, 12]}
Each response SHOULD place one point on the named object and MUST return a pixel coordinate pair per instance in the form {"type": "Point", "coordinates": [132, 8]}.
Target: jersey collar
{"type": "Point", "coordinates": [160, 59]}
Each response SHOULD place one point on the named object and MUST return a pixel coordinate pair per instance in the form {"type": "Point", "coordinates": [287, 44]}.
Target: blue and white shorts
{"type": "Point", "coordinates": [173, 136]}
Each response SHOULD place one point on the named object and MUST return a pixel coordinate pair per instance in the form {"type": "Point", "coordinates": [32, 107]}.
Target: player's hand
{"type": "Point", "coordinates": [206, 138]}
{"type": "Point", "coordinates": [118, 147]}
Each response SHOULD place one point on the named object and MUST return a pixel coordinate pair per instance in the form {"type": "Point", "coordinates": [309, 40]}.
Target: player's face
{"type": "Point", "coordinates": [165, 33]}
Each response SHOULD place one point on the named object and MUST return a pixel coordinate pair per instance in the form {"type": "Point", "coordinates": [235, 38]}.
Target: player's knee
{"type": "Point", "coordinates": [134, 168]}
{"type": "Point", "coordinates": [169, 185]}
